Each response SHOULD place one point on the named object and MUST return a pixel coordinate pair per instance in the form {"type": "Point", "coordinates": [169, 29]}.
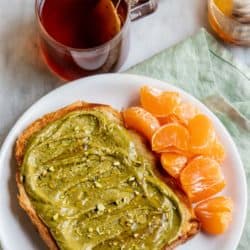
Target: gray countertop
{"type": "Point", "coordinates": [24, 78]}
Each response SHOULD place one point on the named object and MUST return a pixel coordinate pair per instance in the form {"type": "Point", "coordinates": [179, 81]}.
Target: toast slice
{"type": "Point", "coordinates": [189, 225]}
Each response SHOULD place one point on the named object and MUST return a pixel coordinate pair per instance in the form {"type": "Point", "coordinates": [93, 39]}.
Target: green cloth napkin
{"type": "Point", "coordinates": [202, 67]}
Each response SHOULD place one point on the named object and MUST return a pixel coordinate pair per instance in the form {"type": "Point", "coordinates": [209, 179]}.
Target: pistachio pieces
{"type": "Point", "coordinates": [98, 230]}
{"type": "Point", "coordinates": [131, 178]}
{"type": "Point", "coordinates": [136, 192]}
{"type": "Point", "coordinates": [44, 172]}
{"type": "Point", "coordinates": [116, 163]}
{"type": "Point", "coordinates": [93, 201]}
{"type": "Point", "coordinates": [98, 184]}
{"type": "Point", "coordinates": [136, 235]}
{"type": "Point", "coordinates": [56, 216]}
{"type": "Point", "coordinates": [100, 207]}
{"type": "Point", "coordinates": [51, 169]}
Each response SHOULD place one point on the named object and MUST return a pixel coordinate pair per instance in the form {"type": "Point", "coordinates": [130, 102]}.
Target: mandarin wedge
{"type": "Point", "coordinates": [171, 135]}
{"type": "Point", "coordinates": [215, 214]}
{"type": "Point", "coordinates": [217, 151]}
{"type": "Point", "coordinates": [140, 120]}
{"type": "Point", "coordinates": [174, 150]}
{"type": "Point", "coordinates": [202, 134]}
{"type": "Point", "coordinates": [169, 119]}
{"type": "Point", "coordinates": [173, 163]}
{"type": "Point", "coordinates": [202, 178]}
{"type": "Point", "coordinates": [159, 103]}
{"type": "Point", "coordinates": [182, 114]}
{"type": "Point", "coordinates": [185, 111]}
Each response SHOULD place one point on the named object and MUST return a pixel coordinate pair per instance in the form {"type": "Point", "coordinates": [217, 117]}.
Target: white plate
{"type": "Point", "coordinates": [118, 90]}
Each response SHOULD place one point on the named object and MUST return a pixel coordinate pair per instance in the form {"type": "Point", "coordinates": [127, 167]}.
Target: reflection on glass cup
{"type": "Point", "coordinates": [70, 63]}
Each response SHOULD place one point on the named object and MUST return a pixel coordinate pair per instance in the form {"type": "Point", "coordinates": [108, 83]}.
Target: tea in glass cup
{"type": "Point", "coordinates": [83, 37]}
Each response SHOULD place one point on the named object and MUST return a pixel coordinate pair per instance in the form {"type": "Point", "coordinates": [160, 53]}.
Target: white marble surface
{"type": "Point", "coordinates": [24, 78]}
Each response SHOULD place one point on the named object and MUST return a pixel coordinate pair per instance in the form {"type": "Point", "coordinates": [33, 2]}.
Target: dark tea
{"type": "Point", "coordinates": [83, 37]}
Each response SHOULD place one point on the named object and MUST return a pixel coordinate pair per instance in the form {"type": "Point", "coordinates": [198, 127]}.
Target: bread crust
{"type": "Point", "coordinates": [24, 202]}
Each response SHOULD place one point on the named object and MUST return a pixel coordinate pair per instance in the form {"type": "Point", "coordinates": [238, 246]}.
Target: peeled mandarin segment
{"type": "Point", "coordinates": [202, 178]}
{"type": "Point", "coordinates": [185, 111]}
{"type": "Point", "coordinates": [217, 151]}
{"type": "Point", "coordinates": [202, 134]}
{"type": "Point", "coordinates": [170, 135]}
{"type": "Point", "coordinates": [174, 150]}
{"type": "Point", "coordinates": [215, 214]}
{"type": "Point", "coordinates": [157, 102]}
{"type": "Point", "coordinates": [173, 163]}
{"type": "Point", "coordinates": [140, 120]}
{"type": "Point", "coordinates": [169, 119]}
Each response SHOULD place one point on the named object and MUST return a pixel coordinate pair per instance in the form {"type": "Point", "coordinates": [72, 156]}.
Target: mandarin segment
{"type": "Point", "coordinates": [202, 178]}
{"type": "Point", "coordinates": [140, 120]}
{"type": "Point", "coordinates": [169, 119]}
{"type": "Point", "coordinates": [215, 214]}
{"type": "Point", "coordinates": [170, 135]}
{"type": "Point", "coordinates": [159, 103]}
{"type": "Point", "coordinates": [185, 111]}
{"type": "Point", "coordinates": [173, 163]}
{"type": "Point", "coordinates": [217, 151]}
{"type": "Point", "coordinates": [202, 134]}
{"type": "Point", "coordinates": [174, 150]}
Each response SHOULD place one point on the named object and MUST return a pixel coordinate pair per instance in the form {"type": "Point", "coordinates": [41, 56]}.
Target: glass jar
{"type": "Point", "coordinates": [230, 19]}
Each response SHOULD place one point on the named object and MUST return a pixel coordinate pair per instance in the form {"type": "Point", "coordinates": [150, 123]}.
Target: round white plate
{"type": "Point", "coordinates": [119, 91]}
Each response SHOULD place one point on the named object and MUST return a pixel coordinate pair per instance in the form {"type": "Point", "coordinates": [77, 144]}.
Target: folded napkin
{"type": "Point", "coordinates": [202, 67]}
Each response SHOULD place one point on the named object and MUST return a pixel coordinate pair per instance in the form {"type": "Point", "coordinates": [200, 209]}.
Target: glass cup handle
{"type": "Point", "coordinates": [141, 8]}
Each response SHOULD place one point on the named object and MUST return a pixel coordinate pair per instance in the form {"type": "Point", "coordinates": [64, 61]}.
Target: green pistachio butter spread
{"type": "Point", "coordinates": [92, 182]}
